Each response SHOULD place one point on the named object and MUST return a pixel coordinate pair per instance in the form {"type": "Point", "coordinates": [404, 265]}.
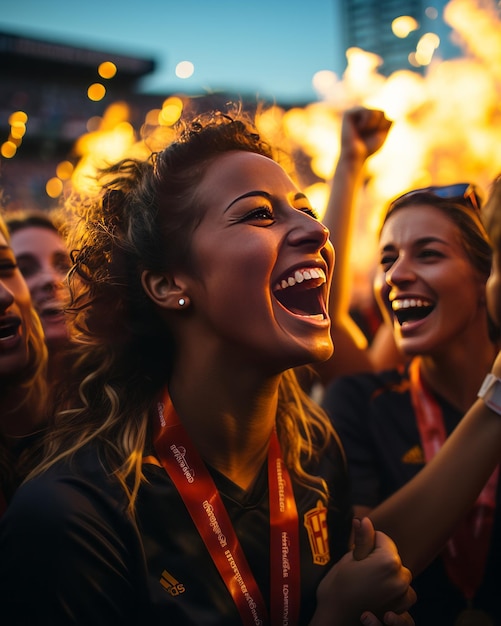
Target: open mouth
{"type": "Point", "coordinates": [409, 310]}
{"type": "Point", "coordinates": [302, 293]}
{"type": "Point", "coordinates": [50, 308]}
{"type": "Point", "coordinates": [9, 329]}
{"type": "Point", "coordinates": [51, 312]}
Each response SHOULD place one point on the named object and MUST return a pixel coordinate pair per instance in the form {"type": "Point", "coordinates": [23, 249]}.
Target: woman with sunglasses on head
{"type": "Point", "coordinates": [436, 259]}
{"type": "Point", "coordinates": [187, 478]}
{"type": "Point", "coordinates": [23, 359]}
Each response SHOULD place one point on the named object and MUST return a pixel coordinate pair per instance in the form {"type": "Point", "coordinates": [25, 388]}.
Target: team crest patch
{"type": "Point", "coordinates": [315, 521]}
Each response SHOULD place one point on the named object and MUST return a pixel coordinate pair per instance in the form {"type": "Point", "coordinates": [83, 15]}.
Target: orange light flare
{"type": "Point", "coordinates": [110, 139]}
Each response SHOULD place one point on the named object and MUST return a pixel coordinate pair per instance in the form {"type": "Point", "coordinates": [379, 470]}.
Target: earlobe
{"type": "Point", "coordinates": [163, 289]}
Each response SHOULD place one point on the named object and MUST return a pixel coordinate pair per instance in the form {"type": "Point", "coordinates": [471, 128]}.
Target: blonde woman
{"type": "Point", "coordinates": [23, 360]}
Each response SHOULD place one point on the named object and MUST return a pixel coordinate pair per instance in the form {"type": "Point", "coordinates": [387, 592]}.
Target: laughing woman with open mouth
{"type": "Point", "coordinates": [23, 362]}
{"type": "Point", "coordinates": [436, 259]}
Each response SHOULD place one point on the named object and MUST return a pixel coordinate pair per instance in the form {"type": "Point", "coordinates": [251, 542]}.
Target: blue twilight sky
{"type": "Point", "coordinates": [268, 47]}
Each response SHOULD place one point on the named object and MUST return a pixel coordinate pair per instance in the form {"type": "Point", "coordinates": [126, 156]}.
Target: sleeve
{"type": "Point", "coordinates": [347, 402]}
{"type": "Point", "coordinates": [66, 558]}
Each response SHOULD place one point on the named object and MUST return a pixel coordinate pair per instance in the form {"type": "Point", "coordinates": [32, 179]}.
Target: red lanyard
{"type": "Point", "coordinates": [466, 552]}
{"type": "Point", "coordinates": [196, 487]}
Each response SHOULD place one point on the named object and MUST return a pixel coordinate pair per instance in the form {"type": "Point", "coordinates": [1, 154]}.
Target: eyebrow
{"type": "Point", "coordinates": [249, 194]}
{"type": "Point", "coordinates": [423, 241]}
{"type": "Point", "coordinates": [264, 194]}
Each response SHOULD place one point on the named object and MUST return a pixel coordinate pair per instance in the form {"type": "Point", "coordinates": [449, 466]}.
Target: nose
{"type": "Point", "coordinates": [6, 297]}
{"type": "Point", "coordinates": [400, 272]}
{"type": "Point", "coordinates": [307, 230]}
{"type": "Point", "coordinates": [49, 278]}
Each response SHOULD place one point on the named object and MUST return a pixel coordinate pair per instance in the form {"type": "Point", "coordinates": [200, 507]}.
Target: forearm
{"type": "Point", "coordinates": [340, 218]}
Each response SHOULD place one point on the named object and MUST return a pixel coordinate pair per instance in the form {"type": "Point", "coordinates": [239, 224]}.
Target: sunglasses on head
{"type": "Point", "coordinates": [459, 192]}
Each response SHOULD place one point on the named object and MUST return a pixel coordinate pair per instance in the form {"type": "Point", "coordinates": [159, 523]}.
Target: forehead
{"type": "Point", "coordinates": [416, 222]}
{"type": "Point", "coordinates": [236, 172]}
{"type": "Point", "coordinates": [36, 239]}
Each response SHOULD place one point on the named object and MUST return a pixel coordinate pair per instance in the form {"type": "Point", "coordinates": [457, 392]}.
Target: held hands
{"type": "Point", "coordinates": [368, 585]}
{"type": "Point", "coordinates": [363, 132]}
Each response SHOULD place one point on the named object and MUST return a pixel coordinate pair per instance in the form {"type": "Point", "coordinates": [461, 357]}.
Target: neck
{"type": "Point", "coordinates": [18, 416]}
{"type": "Point", "coordinates": [230, 423]}
{"type": "Point", "coordinates": [457, 376]}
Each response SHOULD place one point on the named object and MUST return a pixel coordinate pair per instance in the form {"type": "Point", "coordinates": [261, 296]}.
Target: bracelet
{"type": "Point", "coordinates": [490, 392]}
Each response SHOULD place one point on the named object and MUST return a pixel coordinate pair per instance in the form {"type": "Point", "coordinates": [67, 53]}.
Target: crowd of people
{"type": "Point", "coordinates": [170, 463]}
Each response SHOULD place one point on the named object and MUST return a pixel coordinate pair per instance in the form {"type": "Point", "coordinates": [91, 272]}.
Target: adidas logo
{"type": "Point", "coordinates": [171, 585]}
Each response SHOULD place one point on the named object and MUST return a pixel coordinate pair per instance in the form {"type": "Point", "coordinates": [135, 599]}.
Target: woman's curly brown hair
{"type": "Point", "coordinates": [143, 219]}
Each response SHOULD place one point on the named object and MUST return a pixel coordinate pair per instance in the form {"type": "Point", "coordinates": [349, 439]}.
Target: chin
{"type": "Point", "coordinates": [56, 340]}
{"type": "Point", "coordinates": [318, 355]}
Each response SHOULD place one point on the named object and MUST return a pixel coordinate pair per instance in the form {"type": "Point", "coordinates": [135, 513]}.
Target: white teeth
{"type": "Point", "coordinates": [409, 303]}
{"type": "Point", "coordinates": [302, 275]}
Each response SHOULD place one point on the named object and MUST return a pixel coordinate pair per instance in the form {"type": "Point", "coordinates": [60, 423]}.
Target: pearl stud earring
{"type": "Point", "coordinates": [181, 301]}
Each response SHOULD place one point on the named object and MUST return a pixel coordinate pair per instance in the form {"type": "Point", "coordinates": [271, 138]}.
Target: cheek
{"type": "Point", "coordinates": [242, 265]}
{"type": "Point", "coordinates": [381, 293]}
{"type": "Point", "coordinates": [32, 281]}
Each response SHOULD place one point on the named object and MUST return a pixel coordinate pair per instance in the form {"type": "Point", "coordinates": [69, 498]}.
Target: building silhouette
{"type": "Point", "coordinates": [367, 24]}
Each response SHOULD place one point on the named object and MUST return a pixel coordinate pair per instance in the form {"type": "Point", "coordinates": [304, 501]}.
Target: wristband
{"type": "Point", "coordinates": [490, 392]}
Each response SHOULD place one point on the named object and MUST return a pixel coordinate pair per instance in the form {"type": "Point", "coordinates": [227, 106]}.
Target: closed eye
{"type": "Point", "coordinates": [7, 267]}
{"type": "Point", "coordinates": [386, 262]}
{"type": "Point", "coordinates": [311, 212]}
{"type": "Point", "coordinates": [430, 253]}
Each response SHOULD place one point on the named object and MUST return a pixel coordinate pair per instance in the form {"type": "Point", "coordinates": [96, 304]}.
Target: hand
{"type": "Point", "coordinates": [364, 538]}
{"type": "Point", "coordinates": [363, 132]}
{"type": "Point", "coordinates": [368, 580]}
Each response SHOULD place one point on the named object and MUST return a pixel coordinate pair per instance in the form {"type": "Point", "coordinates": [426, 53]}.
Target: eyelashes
{"type": "Point", "coordinates": [266, 213]}
{"type": "Point", "coordinates": [311, 212]}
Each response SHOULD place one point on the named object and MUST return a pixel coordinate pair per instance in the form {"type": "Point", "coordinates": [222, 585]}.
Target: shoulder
{"type": "Point", "coordinates": [70, 525]}
{"type": "Point", "coordinates": [77, 491]}
{"type": "Point", "coordinates": [363, 388]}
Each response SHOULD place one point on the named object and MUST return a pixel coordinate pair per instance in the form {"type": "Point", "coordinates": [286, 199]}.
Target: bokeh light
{"type": "Point", "coordinates": [8, 149]}
{"type": "Point", "coordinates": [64, 170]}
{"type": "Point", "coordinates": [54, 187]}
{"type": "Point", "coordinates": [96, 92]}
{"type": "Point", "coordinates": [403, 25]}
{"type": "Point", "coordinates": [185, 69]}
{"type": "Point", "coordinates": [107, 69]}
